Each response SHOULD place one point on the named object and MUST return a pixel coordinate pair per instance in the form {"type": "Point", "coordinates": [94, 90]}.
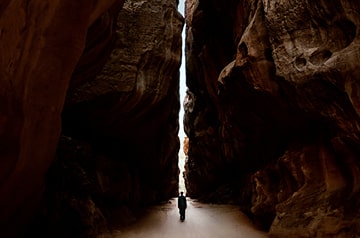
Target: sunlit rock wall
{"type": "Point", "coordinates": [272, 112]}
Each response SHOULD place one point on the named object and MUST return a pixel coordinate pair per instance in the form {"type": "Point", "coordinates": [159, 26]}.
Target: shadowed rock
{"type": "Point", "coordinates": [128, 112]}
{"type": "Point", "coordinates": [39, 51]}
{"type": "Point", "coordinates": [273, 119]}
{"type": "Point", "coordinates": [120, 103]}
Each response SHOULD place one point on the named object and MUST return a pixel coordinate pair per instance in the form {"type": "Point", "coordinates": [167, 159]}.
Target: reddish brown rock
{"type": "Point", "coordinates": [39, 51]}
{"type": "Point", "coordinates": [272, 113]}
{"type": "Point", "coordinates": [128, 112]}
{"type": "Point", "coordinates": [50, 47]}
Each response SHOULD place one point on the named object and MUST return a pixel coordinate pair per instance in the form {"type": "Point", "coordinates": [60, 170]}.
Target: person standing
{"type": "Point", "coordinates": [182, 206]}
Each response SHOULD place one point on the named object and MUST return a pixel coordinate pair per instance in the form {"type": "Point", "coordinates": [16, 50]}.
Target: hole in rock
{"type": "Point", "coordinates": [300, 62]}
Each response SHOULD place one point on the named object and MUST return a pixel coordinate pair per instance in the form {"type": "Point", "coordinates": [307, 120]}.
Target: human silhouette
{"type": "Point", "coordinates": [182, 206]}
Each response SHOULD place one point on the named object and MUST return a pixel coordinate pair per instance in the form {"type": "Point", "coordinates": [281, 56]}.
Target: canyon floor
{"type": "Point", "coordinates": [202, 221]}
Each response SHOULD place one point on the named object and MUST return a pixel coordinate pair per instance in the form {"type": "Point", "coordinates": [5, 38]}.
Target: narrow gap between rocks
{"type": "Point", "coordinates": [182, 86]}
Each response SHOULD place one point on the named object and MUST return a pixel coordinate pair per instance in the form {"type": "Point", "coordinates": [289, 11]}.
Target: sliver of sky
{"type": "Point", "coordinates": [182, 92]}
{"type": "Point", "coordinates": [181, 8]}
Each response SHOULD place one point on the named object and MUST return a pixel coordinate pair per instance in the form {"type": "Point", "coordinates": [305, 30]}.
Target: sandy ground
{"type": "Point", "coordinates": [202, 221]}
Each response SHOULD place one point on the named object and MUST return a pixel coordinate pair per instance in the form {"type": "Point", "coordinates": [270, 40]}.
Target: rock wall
{"type": "Point", "coordinates": [272, 112]}
{"type": "Point", "coordinates": [117, 115]}
{"type": "Point", "coordinates": [128, 113]}
{"type": "Point", "coordinates": [36, 64]}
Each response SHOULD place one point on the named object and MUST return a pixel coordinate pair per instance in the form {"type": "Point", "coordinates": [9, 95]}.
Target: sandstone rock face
{"type": "Point", "coordinates": [272, 113]}
{"type": "Point", "coordinates": [125, 117]}
{"type": "Point", "coordinates": [128, 112]}
{"type": "Point", "coordinates": [39, 51]}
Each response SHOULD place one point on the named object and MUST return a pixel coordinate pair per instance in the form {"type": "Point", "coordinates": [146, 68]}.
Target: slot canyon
{"type": "Point", "coordinates": [89, 113]}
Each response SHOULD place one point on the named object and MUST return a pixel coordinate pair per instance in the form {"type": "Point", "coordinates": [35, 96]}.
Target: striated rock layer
{"type": "Point", "coordinates": [272, 112]}
{"type": "Point", "coordinates": [119, 123]}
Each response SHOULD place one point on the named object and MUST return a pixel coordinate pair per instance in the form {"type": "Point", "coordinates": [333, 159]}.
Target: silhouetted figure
{"type": "Point", "coordinates": [182, 206]}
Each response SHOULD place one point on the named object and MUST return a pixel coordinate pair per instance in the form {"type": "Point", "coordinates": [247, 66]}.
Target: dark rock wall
{"type": "Point", "coordinates": [272, 112]}
{"type": "Point", "coordinates": [39, 51]}
{"type": "Point", "coordinates": [207, 54]}
{"type": "Point", "coordinates": [106, 82]}
{"type": "Point", "coordinates": [128, 113]}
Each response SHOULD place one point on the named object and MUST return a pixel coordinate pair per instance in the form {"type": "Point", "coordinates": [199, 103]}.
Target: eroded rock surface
{"type": "Point", "coordinates": [272, 112]}
{"type": "Point", "coordinates": [128, 112]}
{"type": "Point", "coordinates": [39, 51]}
{"type": "Point", "coordinates": [119, 122]}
